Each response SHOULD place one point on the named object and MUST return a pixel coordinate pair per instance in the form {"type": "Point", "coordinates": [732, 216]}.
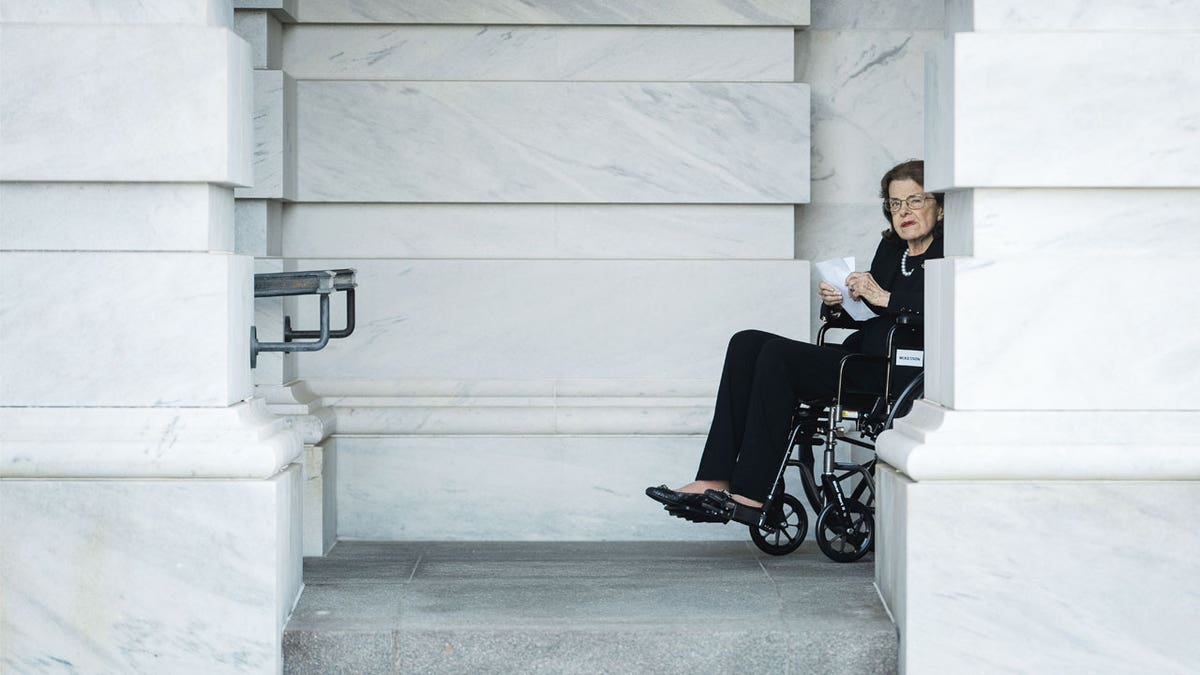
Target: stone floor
{"type": "Point", "coordinates": [587, 607]}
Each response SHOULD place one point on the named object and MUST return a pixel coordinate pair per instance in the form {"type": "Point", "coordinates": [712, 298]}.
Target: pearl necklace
{"type": "Point", "coordinates": [904, 266]}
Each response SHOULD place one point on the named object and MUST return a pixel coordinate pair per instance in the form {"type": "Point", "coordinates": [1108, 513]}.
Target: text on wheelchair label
{"type": "Point", "coordinates": [910, 357]}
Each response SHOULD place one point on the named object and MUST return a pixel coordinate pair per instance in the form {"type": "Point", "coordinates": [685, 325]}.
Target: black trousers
{"type": "Point", "coordinates": [763, 376]}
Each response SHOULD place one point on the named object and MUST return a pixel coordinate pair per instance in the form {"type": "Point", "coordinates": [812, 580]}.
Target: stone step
{"type": "Point", "coordinates": [585, 607]}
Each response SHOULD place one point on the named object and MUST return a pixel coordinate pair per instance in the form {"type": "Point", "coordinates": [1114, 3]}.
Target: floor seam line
{"type": "Point", "coordinates": [414, 569]}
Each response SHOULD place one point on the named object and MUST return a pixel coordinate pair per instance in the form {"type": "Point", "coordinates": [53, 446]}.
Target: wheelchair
{"type": "Point", "coordinates": [843, 493]}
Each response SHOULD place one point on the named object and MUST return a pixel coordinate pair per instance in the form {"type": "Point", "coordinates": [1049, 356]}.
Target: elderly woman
{"type": "Point", "coordinates": [764, 374]}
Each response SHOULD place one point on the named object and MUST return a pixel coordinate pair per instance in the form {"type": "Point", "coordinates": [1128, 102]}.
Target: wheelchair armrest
{"type": "Point", "coordinates": [840, 320]}
{"type": "Point", "coordinates": [830, 320]}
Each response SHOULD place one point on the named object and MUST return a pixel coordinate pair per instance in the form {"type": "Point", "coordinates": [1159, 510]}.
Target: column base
{"type": "Point", "coordinates": [1040, 576]}
{"type": "Point", "coordinates": [154, 575]}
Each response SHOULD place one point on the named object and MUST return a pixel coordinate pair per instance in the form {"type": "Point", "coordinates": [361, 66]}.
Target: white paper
{"type": "Point", "coordinates": [834, 273]}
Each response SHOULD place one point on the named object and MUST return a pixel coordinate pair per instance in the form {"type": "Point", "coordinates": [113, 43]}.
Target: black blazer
{"type": "Point", "coordinates": [908, 295]}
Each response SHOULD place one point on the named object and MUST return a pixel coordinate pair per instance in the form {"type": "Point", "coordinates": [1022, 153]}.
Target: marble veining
{"type": "Point", "coordinates": [243, 440]}
{"type": "Point", "coordinates": [616, 231]}
{"type": "Point", "coordinates": [181, 340]}
{"type": "Point", "coordinates": [148, 117]}
{"type": "Point", "coordinates": [1075, 15]}
{"type": "Point", "coordinates": [934, 443]}
{"type": "Point", "coordinates": [1080, 223]}
{"type": "Point", "coordinates": [871, 14]}
{"type": "Point", "coordinates": [603, 12]}
{"type": "Point", "coordinates": [867, 107]}
{"type": "Point", "coordinates": [193, 12]}
{"type": "Point", "coordinates": [1010, 354]}
{"type": "Point", "coordinates": [531, 487]}
{"type": "Point", "coordinates": [585, 53]}
{"type": "Point", "coordinates": [1050, 577]}
{"type": "Point", "coordinates": [1072, 102]}
{"type": "Point", "coordinates": [553, 142]}
{"type": "Point", "coordinates": [521, 319]}
{"type": "Point", "coordinates": [105, 592]}
{"type": "Point", "coordinates": [274, 131]}
{"type": "Point", "coordinates": [115, 217]}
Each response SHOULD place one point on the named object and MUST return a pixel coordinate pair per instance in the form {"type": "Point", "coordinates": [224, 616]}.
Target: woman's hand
{"type": "Point", "coordinates": [864, 287]}
{"type": "Point", "coordinates": [829, 295]}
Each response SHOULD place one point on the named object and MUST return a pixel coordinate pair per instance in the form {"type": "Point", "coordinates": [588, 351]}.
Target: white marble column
{"type": "Point", "coordinates": [1038, 509]}
{"type": "Point", "coordinates": [150, 506]}
{"type": "Point", "coordinates": [258, 226]}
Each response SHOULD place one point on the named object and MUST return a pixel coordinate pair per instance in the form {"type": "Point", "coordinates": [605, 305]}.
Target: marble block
{"type": "Point", "coordinates": [940, 130]}
{"type": "Point", "coordinates": [320, 498]}
{"type": "Point", "coordinates": [116, 217]}
{"type": "Point", "coordinates": [258, 227]}
{"type": "Point", "coordinates": [336, 391]}
{"type": "Point", "coordinates": [1062, 577]}
{"type": "Point", "coordinates": [867, 106]}
{"type": "Point", "coordinates": [1072, 223]}
{"type": "Point", "coordinates": [191, 12]}
{"type": "Point", "coordinates": [126, 103]}
{"type": "Point", "coordinates": [124, 329]}
{"type": "Point", "coordinates": [284, 10]}
{"type": "Point", "coordinates": [1070, 15]}
{"type": "Point", "coordinates": [523, 231]}
{"type": "Point", "coordinates": [148, 576]}
{"type": "Point", "coordinates": [1071, 103]}
{"type": "Point", "coordinates": [242, 441]}
{"type": "Point", "coordinates": [872, 15]}
{"type": "Point", "coordinates": [528, 320]}
{"type": "Point", "coordinates": [610, 12]}
{"type": "Point", "coordinates": [587, 53]}
{"type": "Point", "coordinates": [991, 348]}
{"type": "Point", "coordinates": [553, 142]}
{"type": "Point", "coordinates": [263, 31]}
{"type": "Point", "coordinates": [520, 488]}
{"type": "Point", "coordinates": [513, 414]}
{"type": "Point", "coordinates": [274, 137]}
{"type": "Point", "coordinates": [937, 443]}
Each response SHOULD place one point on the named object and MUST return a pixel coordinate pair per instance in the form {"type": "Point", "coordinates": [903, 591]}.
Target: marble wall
{"type": "Point", "coordinates": [559, 211]}
{"type": "Point", "coordinates": [578, 200]}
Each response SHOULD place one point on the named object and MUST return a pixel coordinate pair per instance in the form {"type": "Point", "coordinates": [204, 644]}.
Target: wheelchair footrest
{"type": "Point", "coordinates": [721, 505]}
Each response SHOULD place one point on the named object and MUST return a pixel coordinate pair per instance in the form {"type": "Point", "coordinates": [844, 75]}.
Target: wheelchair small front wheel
{"type": "Point", "coordinates": [791, 524]}
{"type": "Point", "coordinates": [844, 539]}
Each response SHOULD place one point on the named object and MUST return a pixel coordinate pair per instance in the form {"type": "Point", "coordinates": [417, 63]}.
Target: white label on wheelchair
{"type": "Point", "coordinates": [910, 357]}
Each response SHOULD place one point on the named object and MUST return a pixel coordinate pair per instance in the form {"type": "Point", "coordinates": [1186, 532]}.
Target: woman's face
{"type": "Point", "coordinates": [913, 224]}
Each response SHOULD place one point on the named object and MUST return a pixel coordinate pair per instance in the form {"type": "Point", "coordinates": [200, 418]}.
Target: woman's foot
{"type": "Point", "coordinates": [665, 495]}
{"type": "Point", "coordinates": [746, 501]}
{"type": "Point", "coordinates": [699, 487]}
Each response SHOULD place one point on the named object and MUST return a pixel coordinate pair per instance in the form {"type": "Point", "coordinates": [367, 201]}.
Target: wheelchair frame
{"type": "Point", "coordinates": [845, 524]}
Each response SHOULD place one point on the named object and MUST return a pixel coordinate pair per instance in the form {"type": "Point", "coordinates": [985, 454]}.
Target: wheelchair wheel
{"type": "Point", "coordinates": [792, 524]}
{"type": "Point", "coordinates": [904, 402]}
{"type": "Point", "coordinates": [843, 541]}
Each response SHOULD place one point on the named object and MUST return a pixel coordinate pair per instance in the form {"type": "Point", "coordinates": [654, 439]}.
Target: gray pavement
{"type": "Point", "coordinates": [585, 607]}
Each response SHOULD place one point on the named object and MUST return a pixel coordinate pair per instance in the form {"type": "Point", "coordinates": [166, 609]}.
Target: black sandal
{"type": "Point", "coordinates": [665, 495]}
{"type": "Point", "coordinates": [691, 508]}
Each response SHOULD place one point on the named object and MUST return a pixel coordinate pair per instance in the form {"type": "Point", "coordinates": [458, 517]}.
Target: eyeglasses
{"type": "Point", "coordinates": [915, 202]}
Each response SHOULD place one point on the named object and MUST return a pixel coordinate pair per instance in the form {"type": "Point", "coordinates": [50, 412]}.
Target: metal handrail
{"type": "Point", "coordinates": [316, 282]}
